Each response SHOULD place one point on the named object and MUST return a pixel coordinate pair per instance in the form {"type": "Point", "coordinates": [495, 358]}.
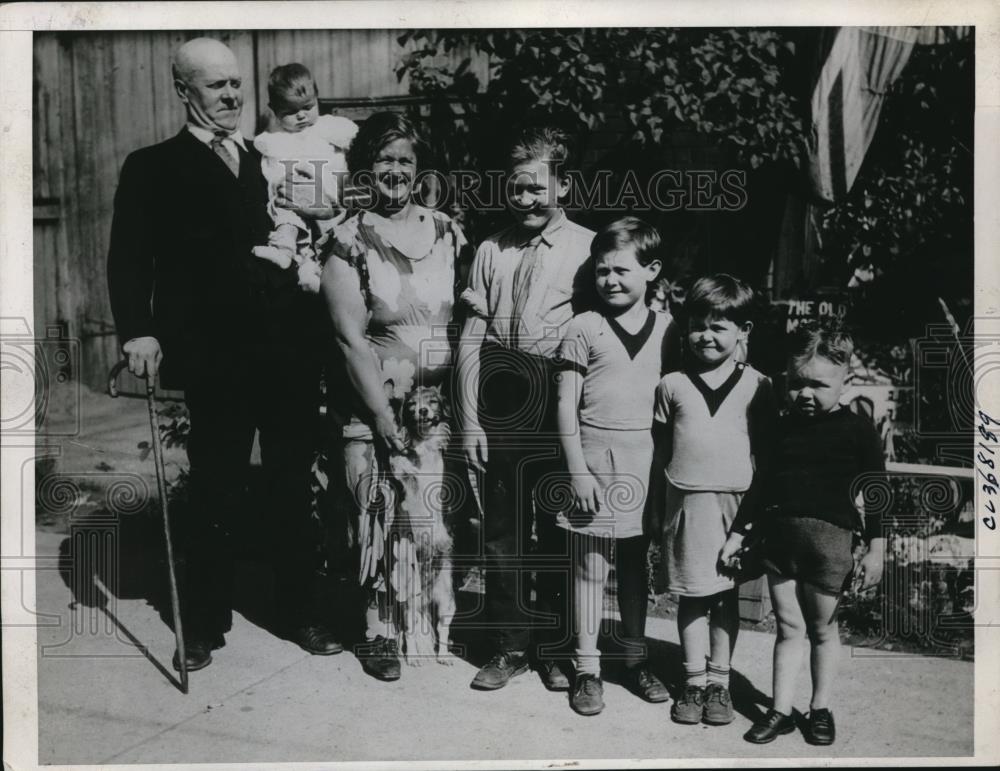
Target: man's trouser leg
{"type": "Point", "coordinates": [219, 445]}
{"type": "Point", "coordinates": [287, 409]}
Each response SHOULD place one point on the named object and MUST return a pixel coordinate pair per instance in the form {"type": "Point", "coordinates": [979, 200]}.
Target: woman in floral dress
{"type": "Point", "coordinates": [389, 285]}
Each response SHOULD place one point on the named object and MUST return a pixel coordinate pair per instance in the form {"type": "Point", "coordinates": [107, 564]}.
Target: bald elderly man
{"type": "Point", "coordinates": [192, 304]}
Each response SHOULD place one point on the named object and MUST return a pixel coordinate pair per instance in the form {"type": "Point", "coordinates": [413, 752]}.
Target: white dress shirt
{"type": "Point", "coordinates": [205, 136]}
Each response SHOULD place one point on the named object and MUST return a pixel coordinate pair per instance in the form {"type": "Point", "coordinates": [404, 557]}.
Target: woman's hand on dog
{"type": "Point", "coordinates": [587, 494]}
{"type": "Point", "coordinates": [474, 447]}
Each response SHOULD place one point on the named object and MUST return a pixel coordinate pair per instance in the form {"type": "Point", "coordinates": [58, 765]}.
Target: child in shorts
{"type": "Point", "coordinates": [711, 418]}
{"type": "Point", "coordinates": [822, 452]}
{"type": "Point", "coordinates": [315, 143]}
{"type": "Point", "coordinates": [605, 433]}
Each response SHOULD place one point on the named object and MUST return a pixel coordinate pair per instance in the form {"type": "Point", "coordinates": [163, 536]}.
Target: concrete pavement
{"type": "Point", "coordinates": [103, 701]}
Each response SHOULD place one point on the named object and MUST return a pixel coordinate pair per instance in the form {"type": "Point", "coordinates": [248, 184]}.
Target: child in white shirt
{"type": "Point", "coordinates": [303, 138]}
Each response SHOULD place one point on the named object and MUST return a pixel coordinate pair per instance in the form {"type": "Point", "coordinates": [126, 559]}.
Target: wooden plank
{"type": "Point", "coordinates": [754, 600]}
{"type": "Point", "coordinates": [41, 285]}
{"type": "Point", "coordinates": [921, 469]}
{"type": "Point", "coordinates": [44, 59]}
{"type": "Point", "coordinates": [90, 120]}
{"type": "Point", "coordinates": [168, 110]}
{"type": "Point", "coordinates": [64, 139]}
{"type": "Point", "coordinates": [46, 178]}
{"type": "Point", "coordinates": [46, 210]}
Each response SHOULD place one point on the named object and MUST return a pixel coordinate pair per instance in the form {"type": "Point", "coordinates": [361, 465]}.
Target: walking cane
{"type": "Point", "coordinates": [161, 486]}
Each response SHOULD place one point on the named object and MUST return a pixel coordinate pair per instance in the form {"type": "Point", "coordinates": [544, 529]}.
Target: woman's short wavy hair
{"type": "Point", "coordinates": [376, 132]}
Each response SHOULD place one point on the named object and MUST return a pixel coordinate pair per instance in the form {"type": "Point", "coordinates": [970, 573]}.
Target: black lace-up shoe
{"type": "Point", "coordinates": [588, 695]}
{"type": "Point", "coordinates": [647, 685]}
{"type": "Point", "coordinates": [316, 640]}
{"type": "Point", "coordinates": [380, 658]}
{"type": "Point", "coordinates": [499, 670]}
{"type": "Point", "coordinates": [820, 728]}
{"type": "Point", "coordinates": [198, 652]}
{"type": "Point", "coordinates": [770, 728]}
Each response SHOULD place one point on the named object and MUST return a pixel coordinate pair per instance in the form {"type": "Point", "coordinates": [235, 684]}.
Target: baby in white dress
{"type": "Point", "coordinates": [304, 139]}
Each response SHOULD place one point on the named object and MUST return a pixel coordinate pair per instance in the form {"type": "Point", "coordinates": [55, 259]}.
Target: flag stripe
{"type": "Point", "coordinates": [836, 174]}
{"type": "Point", "coordinates": [860, 67]}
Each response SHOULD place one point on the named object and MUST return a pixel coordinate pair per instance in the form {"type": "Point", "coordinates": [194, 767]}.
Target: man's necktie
{"type": "Point", "coordinates": [524, 276]}
{"type": "Point", "coordinates": [227, 157]}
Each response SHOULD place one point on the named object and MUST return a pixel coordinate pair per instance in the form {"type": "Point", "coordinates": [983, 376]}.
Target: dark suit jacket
{"type": "Point", "coordinates": [180, 267]}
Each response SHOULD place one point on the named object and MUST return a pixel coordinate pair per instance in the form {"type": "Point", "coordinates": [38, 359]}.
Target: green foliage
{"type": "Point", "coordinates": [729, 85]}
{"type": "Point", "coordinates": [174, 432]}
{"type": "Point", "coordinates": [923, 606]}
{"type": "Point", "coordinates": [723, 83]}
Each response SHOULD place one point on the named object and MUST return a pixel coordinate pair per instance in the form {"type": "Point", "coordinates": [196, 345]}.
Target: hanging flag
{"type": "Point", "coordinates": [859, 68]}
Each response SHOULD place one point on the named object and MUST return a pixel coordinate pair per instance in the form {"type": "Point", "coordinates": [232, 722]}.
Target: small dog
{"type": "Point", "coordinates": [419, 472]}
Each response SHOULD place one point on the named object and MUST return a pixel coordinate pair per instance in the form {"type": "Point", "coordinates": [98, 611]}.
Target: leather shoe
{"type": "Point", "coordinates": [198, 652]}
{"type": "Point", "coordinates": [499, 670]}
{"type": "Point", "coordinates": [646, 684]}
{"type": "Point", "coordinates": [689, 708]}
{"type": "Point", "coordinates": [770, 728]}
{"type": "Point", "coordinates": [820, 728]}
{"type": "Point", "coordinates": [588, 695]}
{"type": "Point", "coordinates": [718, 705]}
{"type": "Point", "coordinates": [316, 640]}
{"type": "Point", "coordinates": [380, 658]}
{"type": "Point", "coordinates": [552, 675]}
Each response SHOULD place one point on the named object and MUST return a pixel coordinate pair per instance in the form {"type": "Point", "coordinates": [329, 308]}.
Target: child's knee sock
{"type": "Point", "coordinates": [692, 623]}
{"type": "Point", "coordinates": [718, 674]}
{"type": "Point", "coordinates": [589, 574]}
{"type": "Point", "coordinates": [589, 613]}
{"type": "Point", "coordinates": [695, 673]}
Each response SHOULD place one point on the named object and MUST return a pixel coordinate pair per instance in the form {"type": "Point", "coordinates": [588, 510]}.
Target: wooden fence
{"type": "Point", "coordinates": [100, 95]}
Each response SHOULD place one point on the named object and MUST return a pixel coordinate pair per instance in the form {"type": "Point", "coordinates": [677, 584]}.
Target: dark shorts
{"type": "Point", "coordinates": [810, 550]}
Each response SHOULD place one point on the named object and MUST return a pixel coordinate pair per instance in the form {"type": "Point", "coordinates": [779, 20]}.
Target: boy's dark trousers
{"type": "Point", "coordinates": [525, 484]}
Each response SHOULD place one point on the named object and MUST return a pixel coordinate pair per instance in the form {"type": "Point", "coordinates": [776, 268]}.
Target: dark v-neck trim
{"type": "Point", "coordinates": [633, 343]}
{"type": "Point", "coordinates": [714, 397]}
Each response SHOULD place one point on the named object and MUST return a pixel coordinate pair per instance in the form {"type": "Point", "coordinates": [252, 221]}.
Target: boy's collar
{"type": "Point", "coordinates": [526, 237]}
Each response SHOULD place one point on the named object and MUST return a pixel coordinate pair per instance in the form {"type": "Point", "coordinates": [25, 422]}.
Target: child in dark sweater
{"type": "Point", "coordinates": [822, 454]}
